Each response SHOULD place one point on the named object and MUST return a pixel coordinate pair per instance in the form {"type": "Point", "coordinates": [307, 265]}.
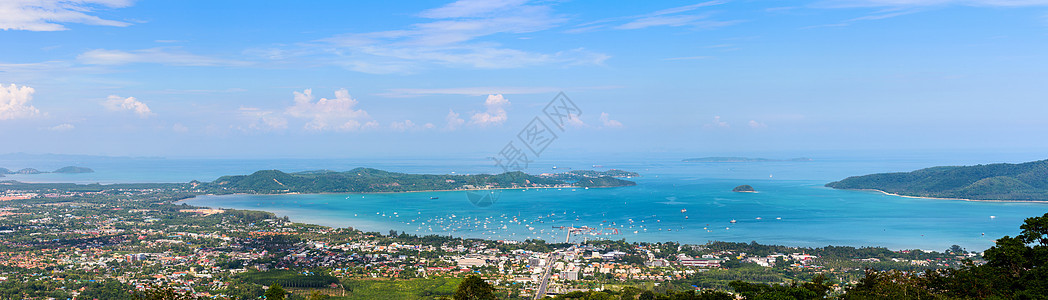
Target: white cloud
{"type": "Point", "coordinates": [164, 56]}
{"type": "Point", "coordinates": [717, 123]}
{"type": "Point", "coordinates": [264, 120]}
{"type": "Point", "coordinates": [402, 126]}
{"type": "Point", "coordinates": [117, 103]}
{"type": "Point", "coordinates": [339, 113]}
{"type": "Point", "coordinates": [179, 128]}
{"type": "Point", "coordinates": [495, 113]}
{"type": "Point", "coordinates": [62, 127]}
{"type": "Point", "coordinates": [454, 122]}
{"type": "Point", "coordinates": [48, 15]}
{"type": "Point", "coordinates": [449, 38]}
{"type": "Point", "coordinates": [14, 102]}
{"type": "Point", "coordinates": [755, 124]}
{"type": "Point", "coordinates": [608, 122]}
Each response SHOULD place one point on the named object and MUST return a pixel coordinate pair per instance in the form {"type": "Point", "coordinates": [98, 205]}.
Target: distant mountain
{"type": "Point", "coordinates": [28, 171]}
{"type": "Point", "coordinates": [740, 159]}
{"type": "Point", "coordinates": [367, 180]}
{"type": "Point", "coordinates": [72, 169]}
{"type": "Point", "coordinates": [5, 171]}
{"type": "Point", "coordinates": [1025, 181]}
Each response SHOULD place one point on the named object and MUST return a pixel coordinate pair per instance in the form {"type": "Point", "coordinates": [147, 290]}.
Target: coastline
{"type": "Point", "coordinates": [404, 192]}
{"type": "Point", "coordinates": [940, 198]}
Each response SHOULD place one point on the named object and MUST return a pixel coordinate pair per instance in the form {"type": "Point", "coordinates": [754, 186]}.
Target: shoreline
{"type": "Point", "coordinates": [940, 198]}
{"type": "Point", "coordinates": [404, 192]}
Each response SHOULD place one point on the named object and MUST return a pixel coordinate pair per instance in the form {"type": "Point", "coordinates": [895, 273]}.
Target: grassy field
{"type": "Point", "coordinates": [428, 288]}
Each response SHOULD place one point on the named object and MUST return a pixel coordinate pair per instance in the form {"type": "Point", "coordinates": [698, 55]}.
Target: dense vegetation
{"type": "Point", "coordinates": [288, 278]}
{"type": "Point", "coordinates": [1015, 268]}
{"type": "Point", "coordinates": [1025, 181]}
{"type": "Point", "coordinates": [73, 169]}
{"type": "Point", "coordinates": [367, 180]}
{"type": "Point", "coordinates": [743, 188]}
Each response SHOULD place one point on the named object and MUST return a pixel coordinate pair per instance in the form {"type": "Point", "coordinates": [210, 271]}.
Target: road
{"type": "Point", "coordinates": [541, 292]}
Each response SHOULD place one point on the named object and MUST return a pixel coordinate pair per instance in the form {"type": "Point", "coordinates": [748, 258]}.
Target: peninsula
{"type": "Point", "coordinates": [1002, 182]}
{"type": "Point", "coordinates": [368, 180]}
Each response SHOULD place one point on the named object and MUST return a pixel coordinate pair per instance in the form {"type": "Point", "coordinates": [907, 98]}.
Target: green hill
{"type": "Point", "coordinates": [367, 180]}
{"type": "Point", "coordinates": [1025, 181]}
{"type": "Point", "coordinates": [73, 169]}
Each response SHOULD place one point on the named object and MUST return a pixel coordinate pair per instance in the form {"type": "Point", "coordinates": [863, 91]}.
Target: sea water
{"type": "Point", "coordinates": [672, 201]}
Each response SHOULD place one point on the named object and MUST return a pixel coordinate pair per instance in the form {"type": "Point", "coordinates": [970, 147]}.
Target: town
{"type": "Point", "coordinates": [109, 242]}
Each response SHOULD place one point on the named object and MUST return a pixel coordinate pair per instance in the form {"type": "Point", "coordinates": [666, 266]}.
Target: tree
{"type": "Point", "coordinates": [156, 292]}
{"type": "Point", "coordinates": [647, 295]}
{"type": "Point", "coordinates": [275, 292]}
{"type": "Point", "coordinates": [956, 249]}
{"type": "Point", "coordinates": [474, 288]}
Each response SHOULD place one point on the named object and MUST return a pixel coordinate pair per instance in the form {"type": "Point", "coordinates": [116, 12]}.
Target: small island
{"type": "Point", "coordinates": [74, 170]}
{"type": "Point", "coordinates": [731, 159]}
{"type": "Point", "coordinates": [745, 188]}
{"type": "Point", "coordinates": [31, 171]}
{"type": "Point", "coordinates": [1001, 182]}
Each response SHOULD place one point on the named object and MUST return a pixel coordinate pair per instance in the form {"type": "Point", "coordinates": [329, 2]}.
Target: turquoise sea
{"type": "Point", "coordinates": [673, 201]}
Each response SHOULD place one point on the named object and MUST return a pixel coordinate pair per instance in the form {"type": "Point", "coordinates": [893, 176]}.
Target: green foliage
{"type": "Point", "coordinates": [474, 288]}
{"type": "Point", "coordinates": [290, 278]}
{"type": "Point", "coordinates": [420, 288]}
{"type": "Point", "coordinates": [275, 292]}
{"type": "Point", "coordinates": [156, 292]}
{"type": "Point", "coordinates": [816, 289]}
{"type": "Point", "coordinates": [1024, 181]}
{"type": "Point", "coordinates": [743, 188]}
{"type": "Point", "coordinates": [1016, 268]}
{"type": "Point", "coordinates": [367, 180]}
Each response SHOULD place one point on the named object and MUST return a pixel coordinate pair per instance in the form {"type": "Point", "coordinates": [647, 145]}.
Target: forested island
{"type": "Point", "coordinates": [368, 180]}
{"type": "Point", "coordinates": [741, 159]}
{"type": "Point", "coordinates": [1003, 181]}
{"type": "Point", "coordinates": [745, 188]}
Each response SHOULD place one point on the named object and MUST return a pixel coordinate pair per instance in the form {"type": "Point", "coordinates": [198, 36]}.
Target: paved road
{"type": "Point", "coordinates": [541, 292]}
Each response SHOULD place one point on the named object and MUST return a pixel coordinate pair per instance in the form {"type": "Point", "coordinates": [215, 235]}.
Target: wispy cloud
{"type": "Point", "coordinates": [470, 91]}
{"type": "Point", "coordinates": [717, 123]}
{"type": "Point", "coordinates": [117, 103]}
{"type": "Point", "coordinates": [454, 35]}
{"type": "Point", "coordinates": [263, 120]}
{"type": "Point", "coordinates": [61, 127]}
{"type": "Point", "coordinates": [15, 102]}
{"type": "Point", "coordinates": [670, 17]}
{"type": "Point", "coordinates": [916, 3]}
{"type": "Point", "coordinates": [164, 56]}
{"type": "Point", "coordinates": [453, 120]}
{"type": "Point", "coordinates": [606, 120]}
{"type": "Point", "coordinates": [49, 15]}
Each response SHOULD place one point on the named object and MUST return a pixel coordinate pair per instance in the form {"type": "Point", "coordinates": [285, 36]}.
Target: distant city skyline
{"type": "Point", "coordinates": [445, 78]}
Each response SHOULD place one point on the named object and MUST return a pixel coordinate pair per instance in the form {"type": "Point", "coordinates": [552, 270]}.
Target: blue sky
{"type": "Point", "coordinates": [437, 78]}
